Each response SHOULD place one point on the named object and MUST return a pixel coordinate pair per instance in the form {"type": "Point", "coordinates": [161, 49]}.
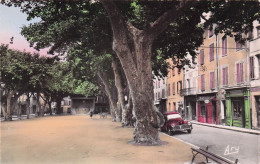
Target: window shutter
{"type": "Point", "coordinates": [169, 89]}
{"type": "Point", "coordinates": [226, 75]}
{"type": "Point", "coordinates": [241, 73]}
{"type": "Point", "coordinates": [223, 76]}
{"type": "Point", "coordinates": [202, 56]}
{"type": "Point", "coordinates": [212, 80]}
{"type": "Point", "coordinates": [252, 73]}
{"type": "Point", "coordinates": [202, 83]}
{"type": "Point", "coordinates": [173, 88]}
{"type": "Point", "coordinates": [237, 73]}
{"type": "Point", "coordinates": [224, 46]}
{"type": "Point", "coordinates": [211, 52]}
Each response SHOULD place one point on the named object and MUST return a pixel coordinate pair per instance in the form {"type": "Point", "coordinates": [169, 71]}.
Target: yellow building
{"type": "Point", "coordinates": [223, 81]}
{"type": "Point", "coordinates": [207, 79]}
{"type": "Point", "coordinates": [174, 84]}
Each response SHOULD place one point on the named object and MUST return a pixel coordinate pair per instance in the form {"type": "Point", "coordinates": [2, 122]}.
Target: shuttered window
{"type": "Point", "coordinates": [163, 93]}
{"type": "Point", "coordinates": [169, 90]}
{"type": "Point", "coordinates": [212, 80]}
{"type": "Point", "coordinates": [239, 73]}
{"type": "Point", "coordinates": [252, 67]}
{"type": "Point", "coordinates": [211, 52]}
{"type": "Point", "coordinates": [210, 32]}
{"type": "Point", "coordinates": [224, 46]}
{"type": "Point", "coordinates": [225, 76]}
{"type": "Point", "coordinates": [202, 82]}
{"type": "Point", "coordinates": [238, 46]}
{"type": "Point", "coordinates": [173, 88]}
{"type": "Point", "coordinates": [202, 56]}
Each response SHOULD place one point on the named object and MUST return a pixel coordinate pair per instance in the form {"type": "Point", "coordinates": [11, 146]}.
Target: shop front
{"type": "Point", "coordinates": [238, 108]}
{"type": "Point", "coordinates": [207, 109]}
{"type": "Point", "coordinates": [190, 107]}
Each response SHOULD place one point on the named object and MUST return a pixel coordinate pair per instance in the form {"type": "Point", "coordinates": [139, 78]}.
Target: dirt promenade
{"type": "Point", "coordinates": [81, 140]}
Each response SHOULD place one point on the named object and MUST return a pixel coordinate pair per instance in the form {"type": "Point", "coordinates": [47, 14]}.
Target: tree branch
{"type": "Point", "coordinates": [117, 20]}
{"type": "Point", "coordinates": [168, 17]}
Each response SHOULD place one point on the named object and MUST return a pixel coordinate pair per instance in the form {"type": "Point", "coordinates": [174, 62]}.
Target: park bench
{"type": "Point", "coordinates": [207, 154]}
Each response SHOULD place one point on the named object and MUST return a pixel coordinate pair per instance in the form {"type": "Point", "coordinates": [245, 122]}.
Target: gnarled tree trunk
{"type": "Point", "coordinates": [3, 109]}
{"type": "Point", "coordinates": [40, 109]}
{"type": "Point", "coordinates": [58, 101]}
{"type": "Point", "coordinates": [28, 109]}
{"type": "Point", "coordinates": [9, 106]}
{"type": "Point", "coordinates": [126, 108]}
{"type": "Point", "coordinates": [133, 48]}
{"type": "Point", "coordinates": [113, 108]}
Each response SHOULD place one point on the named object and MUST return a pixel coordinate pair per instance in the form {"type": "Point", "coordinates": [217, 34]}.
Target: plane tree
{"type": "Point", "coordinates": [140, 31]}
{"type": "Point", "coordinates": [21, 72]}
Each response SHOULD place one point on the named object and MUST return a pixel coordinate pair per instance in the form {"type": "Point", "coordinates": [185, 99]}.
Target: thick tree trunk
{"type": "Point", "coordinates": [127, 114]}
{"type": "Point", "coordinates": [119, 111]}
{"type": "Point", "coordinates": [40, 109]}
{"type": "Point", "coordinates": [28, 106]}
{"type": "Point", "coordinates": [133, 48]}
{"type": "Point", "coordinates": [112, 103]}
{"type": "Point", "coordinates": [49, 103]}
{"type": "Point", "coordinates": [3, 108]}
{"type": "Point", "coordinates": [126, 109]}
{"type": "Point", "coordinates": [9, 106]}
{"type": "Point", "coordinates": [58, 100]}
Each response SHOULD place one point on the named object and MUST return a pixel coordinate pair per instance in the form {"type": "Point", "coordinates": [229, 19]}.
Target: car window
{"type": "Point", "coordinates": [172, 116]}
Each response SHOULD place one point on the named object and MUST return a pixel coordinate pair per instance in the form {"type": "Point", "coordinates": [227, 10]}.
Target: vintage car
{"type": "Point", "coordinates": [174, 123]}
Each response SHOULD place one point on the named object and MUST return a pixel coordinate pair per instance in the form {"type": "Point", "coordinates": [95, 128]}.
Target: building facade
{"type": "Point", "coordinates": [160, 93]}
{"type": "Point", "coordinates": [254, 68]}
{"type": "Point", "coordinates": [174, 84]}
{"type": "Point", "coordinates": [189, 91]}
{"type": "Point", "coordinates": [223, 95]}
{"type": "Point", "coordinates": [207, 80]}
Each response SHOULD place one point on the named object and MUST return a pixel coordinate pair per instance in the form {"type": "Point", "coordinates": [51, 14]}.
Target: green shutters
{"type": "Point", "coordinates": [247, 110]}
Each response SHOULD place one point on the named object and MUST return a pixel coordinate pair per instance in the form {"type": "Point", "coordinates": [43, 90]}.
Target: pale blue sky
{"type": "Point", "coordinates": [11, 21]}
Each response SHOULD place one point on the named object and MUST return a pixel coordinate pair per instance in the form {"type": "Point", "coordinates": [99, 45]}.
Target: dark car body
{"type": "Point", "coordinates": [174, 123]}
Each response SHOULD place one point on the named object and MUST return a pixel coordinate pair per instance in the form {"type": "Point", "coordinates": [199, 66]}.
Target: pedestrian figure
{"type": "Point", "coordinates": [91, 114]}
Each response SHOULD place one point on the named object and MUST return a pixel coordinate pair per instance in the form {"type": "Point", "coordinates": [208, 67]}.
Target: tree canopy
{"type": "Point", "coordinates": [139, 33]}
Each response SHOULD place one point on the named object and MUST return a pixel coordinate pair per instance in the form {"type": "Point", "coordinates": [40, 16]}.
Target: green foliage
{"type": "Point", "coordinates": [69, 24]}
{"type": "Point", "coordinates": [26, 72]}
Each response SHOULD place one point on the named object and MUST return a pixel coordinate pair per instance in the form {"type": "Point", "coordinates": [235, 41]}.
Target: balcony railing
{"type": "Point", "coordinates": [188, 91]}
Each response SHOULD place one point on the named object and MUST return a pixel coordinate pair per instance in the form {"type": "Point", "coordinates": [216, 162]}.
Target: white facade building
{"type": "Point", "coordinates": [254, 69]}
{"type": "Point", "coordinates": [190, 89]}
{"type": "Point", "coordinates": [160, 93]}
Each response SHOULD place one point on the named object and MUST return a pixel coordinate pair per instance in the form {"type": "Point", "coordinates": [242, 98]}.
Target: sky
{"type": "Point", "coordinates": [11, 22]}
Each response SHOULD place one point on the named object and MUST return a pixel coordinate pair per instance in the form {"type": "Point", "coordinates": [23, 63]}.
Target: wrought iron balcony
{"type": "Point", "coordinates": [188, 91]}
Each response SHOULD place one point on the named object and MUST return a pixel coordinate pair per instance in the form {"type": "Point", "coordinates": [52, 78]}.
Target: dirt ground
{"type": "Point", "coordinates": [81, 140]}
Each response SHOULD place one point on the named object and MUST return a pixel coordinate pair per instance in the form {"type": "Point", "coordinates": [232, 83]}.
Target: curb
{"type": "Point", "coordinates": [243, 130]}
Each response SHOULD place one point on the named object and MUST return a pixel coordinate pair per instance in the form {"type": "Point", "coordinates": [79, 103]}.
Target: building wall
{"type": "Point", "coordinates": [208, 66]}
{"type": "Point", "coordinates": [254, 46]}
{"type": "Point", "coordinates": [174, 99]}
{"type": "Point", "coordinates": [160, 93]}
{"type": "Point", "coordinates": [230, 60]}
{"type": "Point", "coordinates": [190, 89]}
{"type": "Point", "coordinates": [159, 88]}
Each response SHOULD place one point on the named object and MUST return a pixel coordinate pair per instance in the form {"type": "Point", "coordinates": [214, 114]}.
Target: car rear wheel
{"type": "Point", "coordinates": [189, 131]}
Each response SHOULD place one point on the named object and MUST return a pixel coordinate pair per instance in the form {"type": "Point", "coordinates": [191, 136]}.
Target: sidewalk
{"type": "Point", "coordinates": [244, 130]}
{"type": "Point", "coordinates": [80, 140]}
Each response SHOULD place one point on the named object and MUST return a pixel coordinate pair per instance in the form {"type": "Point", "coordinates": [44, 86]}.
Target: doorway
{"type": "Point", "coordinates": [257, 107]}
{"type": "Point", "coordinates": [238, 111]}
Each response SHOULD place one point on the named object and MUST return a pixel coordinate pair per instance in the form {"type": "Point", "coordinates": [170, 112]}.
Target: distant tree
{"type": "Point", "coordinates": [20, 72]}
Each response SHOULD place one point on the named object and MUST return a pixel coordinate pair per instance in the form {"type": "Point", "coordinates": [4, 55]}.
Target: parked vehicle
{"type": "Point", "coordinates": [174, 123]}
